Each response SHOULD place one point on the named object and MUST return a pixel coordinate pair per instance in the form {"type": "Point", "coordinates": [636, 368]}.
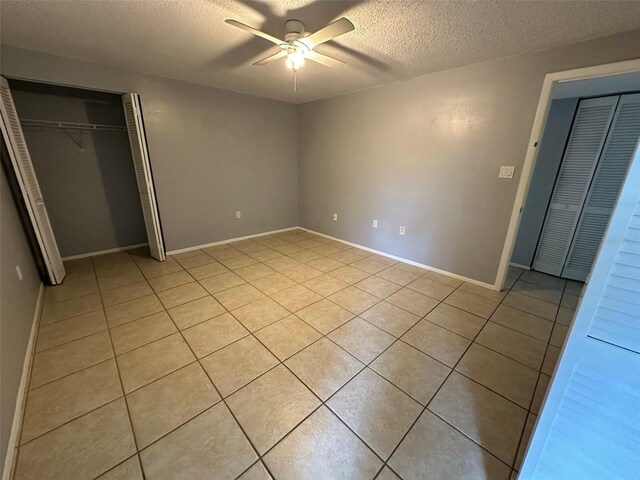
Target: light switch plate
{"type": "Point", "coordinates": [507, 171]}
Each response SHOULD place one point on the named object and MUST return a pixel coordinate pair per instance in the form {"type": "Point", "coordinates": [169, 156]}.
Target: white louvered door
{"type": "Point", "coordinates": [581, 155]}
{"type": "Point", "coordinates": [589, 426]}
{"type": "Point", "coordinates": [140, 153]}
{"type": "Point", "coordinates": [606, 184]}
{"type": "Point", "coordinates": [26, 177]}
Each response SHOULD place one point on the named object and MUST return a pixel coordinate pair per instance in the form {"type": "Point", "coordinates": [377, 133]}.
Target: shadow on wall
{"type": "Point", "coordinates": [117, 171]}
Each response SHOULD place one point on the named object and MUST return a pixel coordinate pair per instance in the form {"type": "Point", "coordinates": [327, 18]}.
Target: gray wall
{"type": "Point", "coordinates": [212, 151]}
{"type": "Point", "coordinates": [425, 153]}
{"type": "Point", "coordinates": [17, 307]}
{"type": "Point", "coordinates": [90, 192]}
{"type": "Point", "coordinates": [554, 138]}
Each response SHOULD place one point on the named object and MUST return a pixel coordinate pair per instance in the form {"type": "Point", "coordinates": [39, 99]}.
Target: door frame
{"type": "Point", "coordinates": [120, 94]}
{"type": "Point", "coordinates": [550, 80]}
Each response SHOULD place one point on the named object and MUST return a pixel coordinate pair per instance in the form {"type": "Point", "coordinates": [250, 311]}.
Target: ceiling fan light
{"type": "Point", "coordinates": [295, 60]}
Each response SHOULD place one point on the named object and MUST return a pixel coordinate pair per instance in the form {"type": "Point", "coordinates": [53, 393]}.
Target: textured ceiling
{"type": "Point", "coordinates": [188, 40]}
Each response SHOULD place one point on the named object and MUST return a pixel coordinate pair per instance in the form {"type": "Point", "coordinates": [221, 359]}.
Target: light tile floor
{"type": "Point", "coordinates": [288, 356]}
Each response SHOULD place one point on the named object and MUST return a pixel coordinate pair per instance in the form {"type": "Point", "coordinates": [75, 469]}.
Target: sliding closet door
{"type": "Point", "coordinates": [606, 184]}
{"type": "Point", "coordinates": [140, 153]}
{"type": "Point", "coordinates": [28, 182]}
{"type": "Point", "coordinates": [583, 149]}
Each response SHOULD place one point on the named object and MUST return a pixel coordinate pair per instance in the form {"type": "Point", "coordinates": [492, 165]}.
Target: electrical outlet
{"type": "Point", "coordinates": [401, 230]}
{"type": "Point", "coordinates": [375, 224]}
{"type": "Point", "coordinates": [506, 172]}
{"type": "Point", "coordinates": [238, 214]}
{"type": "Point", "coordinates": [335, 217]}
{"type": "Point", "coordinates": [19, 271]}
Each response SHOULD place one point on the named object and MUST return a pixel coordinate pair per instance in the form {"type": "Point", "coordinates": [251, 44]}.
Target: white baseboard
{"type": "Point", "coordinates": [237, 239]}
{"type": "Point", "coordinates": [410, 262]}
{"type": "Point", "coordinates": [16, 426]}
{"type": "Point", "coordinates": [102, 252]}
{"type": "Point", "coordinates": [524, 267]}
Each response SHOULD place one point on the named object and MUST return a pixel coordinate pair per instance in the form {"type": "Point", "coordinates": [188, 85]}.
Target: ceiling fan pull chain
{"type": "Point", "coordinates": [295, 81]}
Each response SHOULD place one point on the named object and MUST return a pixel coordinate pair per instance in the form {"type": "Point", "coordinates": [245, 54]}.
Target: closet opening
{"type": "Point", "coordinates": [81, 166]}
{"type": "Point", "coordinates": [583, 156]}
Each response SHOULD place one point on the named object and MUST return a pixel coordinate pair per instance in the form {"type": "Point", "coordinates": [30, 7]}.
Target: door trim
{"type": "Point", "coordinates": [550, 80]}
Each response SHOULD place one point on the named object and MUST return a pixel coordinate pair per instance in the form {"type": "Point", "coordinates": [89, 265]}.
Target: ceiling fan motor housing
{"type": "Point", "coordinates": [294, 30]}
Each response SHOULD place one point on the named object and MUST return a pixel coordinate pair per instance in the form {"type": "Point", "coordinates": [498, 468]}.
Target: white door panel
{"type": "Point", "coordinates": [140, 153]}
{"type": "Point", "coordinates": [25, 174]}
{"type": "Point", "coordinates": [606, 184]}
{"type": "Point", "coordinates": [579, 161]}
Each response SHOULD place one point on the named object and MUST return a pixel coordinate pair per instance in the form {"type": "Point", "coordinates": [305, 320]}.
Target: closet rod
{"type": "Point", "coordinates": [72, 125]}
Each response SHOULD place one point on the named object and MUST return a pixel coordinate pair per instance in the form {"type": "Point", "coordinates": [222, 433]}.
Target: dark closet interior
{"type": "Point", "coordinates": [79, 147]}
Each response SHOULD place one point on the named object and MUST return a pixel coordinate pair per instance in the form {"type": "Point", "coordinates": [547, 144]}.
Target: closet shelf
{"type": "Point", "coordinates": [72, 125]}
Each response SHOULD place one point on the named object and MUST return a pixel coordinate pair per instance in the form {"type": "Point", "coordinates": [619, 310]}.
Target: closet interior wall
{"type": "Point", "coordinates": [552, 145]}
{"type": "Point", "coordinates": [87, 176]}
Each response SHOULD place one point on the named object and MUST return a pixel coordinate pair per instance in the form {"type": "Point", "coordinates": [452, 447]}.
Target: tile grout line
{"type": "Point", "coordinates": [322, 402]}
{"type": "Point", "coordinates": [114, 357]}
{"type": "Point", "coordinates": [222, 400]}
{"type": "Point", "coordinates": [358, 315]}
{"type": "Point", "coordinates": [366, 365]}
{"type": "Point", "coordinates": [124, 396]}
{"type": "Point", "coordinates": [100, 406]}
{"type": "Point", "coordinates": [186, 271]}
{"type": "Point", "coordinates": [197, 360]}
{"type": "Point", "coordinates": [540, 373]}
{"type": "Point", "coordinates": [73, 373]}
{"type": "Point", "coordinates": [29, 390]}
{"type": "Point", "coordinates": [72, 316]}
{"type": "Point", "coordinates": [426, 407]}
{"type": "Point", "coordinates": [381, 299]}
{"type": "Point", "coordinates": [250, 282]}
{"type": "Point", "coordinates": [511, 467]}
{"type": "Point", "coordinates": [487, 320]}
{"type": "Point", "coordinates": [369, 275]}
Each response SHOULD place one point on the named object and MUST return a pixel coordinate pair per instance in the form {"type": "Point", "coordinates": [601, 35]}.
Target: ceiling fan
{"type": "Point", "coordinates": [297, 47]}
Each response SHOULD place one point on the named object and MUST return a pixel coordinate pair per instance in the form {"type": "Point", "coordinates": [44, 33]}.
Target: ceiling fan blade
{"type": "Point", "coordinates": [255, 31]}
{"type": "Point", "coordinates": [271, 58]}
{"type": "Point", "coordinates": [331, 31]}
{"type": "Point", "coordinates": [325, 60]}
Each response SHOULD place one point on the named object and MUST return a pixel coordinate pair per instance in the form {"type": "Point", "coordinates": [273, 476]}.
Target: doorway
{"type": "Point", "coordinates": [560, 85]}
{"type": "Point", "coordinates": [585, 428]}
{"type": "Point", "coordinates": [584, 155]}
{"type": "Point", "coordinates": [78, 143]}
{"type": "Point", "coordinates": [82, 167]}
